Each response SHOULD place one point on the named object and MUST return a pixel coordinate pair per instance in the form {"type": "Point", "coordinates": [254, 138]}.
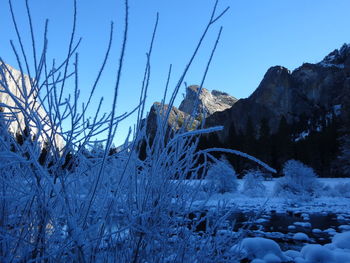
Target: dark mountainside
{"type": "Point", "coordinates": [291, 115]}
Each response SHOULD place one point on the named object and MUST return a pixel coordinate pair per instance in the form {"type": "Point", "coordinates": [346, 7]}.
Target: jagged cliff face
{"type": "Point", "coordinates": [208, 102]}
{"type": "Point", "coordinates": [14, 88]}
{"type": "Point", "coordinates": [306, 90]}
{"type": "Point", "coordinates": [175, 120]}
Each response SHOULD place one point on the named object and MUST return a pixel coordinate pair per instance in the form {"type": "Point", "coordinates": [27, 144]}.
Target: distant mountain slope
{"type": "Point", "coordinates": [296, 113]}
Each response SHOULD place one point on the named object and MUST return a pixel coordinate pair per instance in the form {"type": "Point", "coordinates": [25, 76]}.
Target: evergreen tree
{"type": "Point", "coordinates": [282, 147]}
{"type": "Point", "coordinates": [234, 139]}
{"type": "Point", "coordinates": [235, 142]}
{"type": "Point", "coordinates": [264, 131]}
{"type": "Point", "coordinates": [345, 137]}
{"type": "Point", "coordinates": [283, 127]}
{"type": "Point", "coordinates": [250, 138]}
{"type": "Point", "coordinates": [264, 149]}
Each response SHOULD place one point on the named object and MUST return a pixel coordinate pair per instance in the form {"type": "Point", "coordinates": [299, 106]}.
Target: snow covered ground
{"type": "Point", "coordinates": [266, 200]}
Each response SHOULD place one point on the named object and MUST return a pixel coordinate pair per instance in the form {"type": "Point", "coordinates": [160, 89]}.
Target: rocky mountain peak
{"type": "Point", "coordinates": [338, 57]}
{"type": "Point", "coordinates": [276, 72]}
{"type": "Point", "coordinates": [209, 102]}
{"type": "Point", "coordinates": [175, 121]}
{"type": "Point", "coordinates": [274, 89]}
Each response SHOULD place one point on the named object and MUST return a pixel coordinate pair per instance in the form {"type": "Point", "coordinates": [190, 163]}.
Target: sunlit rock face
{"type": "Point", "coordinates": [175, 121]}
{"type": "Point", "coordinates": [308, 89]}
{"type": "Point", "coordinates": [275, 90]}
{"type": "Point", "coordinates": [19, 112]}
{"type": "Point", "coordinates": [207, 102]}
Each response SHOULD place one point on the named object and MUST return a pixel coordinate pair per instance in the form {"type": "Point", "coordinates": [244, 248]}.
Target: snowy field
{"type": "Point", "coordinates": [266, 200]}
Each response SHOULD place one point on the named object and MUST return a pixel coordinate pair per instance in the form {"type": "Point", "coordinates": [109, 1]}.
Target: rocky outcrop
{"type": "Point", "coordinates": [175, 121]}
{"type": "Point", "coordinates": [21, 107]}
{"type": "Point", "coordinates": [338, 58]}
{"type": "Point", "coordinates": [207, 102]}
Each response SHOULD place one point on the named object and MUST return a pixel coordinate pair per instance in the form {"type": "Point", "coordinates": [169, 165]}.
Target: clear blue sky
{"type": "Point", "coordinates": [257, 34]}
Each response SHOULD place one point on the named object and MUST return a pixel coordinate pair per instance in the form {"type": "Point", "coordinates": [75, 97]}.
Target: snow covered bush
{"type": "Point", "coordinates": [299, 181]}
{"type": "Point", "coordinates": [221, 177]}
{"type": "Point", "coordinates": [253, 183]}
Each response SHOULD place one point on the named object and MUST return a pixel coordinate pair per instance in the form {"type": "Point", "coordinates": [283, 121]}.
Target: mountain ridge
{"type": "Point", "coordinates": [291, 115]}
{"type": "Point", "coordinates": [290, 94]}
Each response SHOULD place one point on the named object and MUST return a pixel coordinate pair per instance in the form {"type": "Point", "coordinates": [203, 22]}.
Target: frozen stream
{"type": "Point", "coordinates": [285, 229]}
{"type": "Point", "coordinates": [291, 230]}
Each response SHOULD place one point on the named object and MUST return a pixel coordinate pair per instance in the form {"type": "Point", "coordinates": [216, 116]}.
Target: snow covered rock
{"type": "Point", "coordinates": [292, 254]}
{"type": "Point", "coordinates": [342, 240]}
{"type": "Point", "coordinates": [301, 237]}
{"type": "Point", "coordinates": [303, 224]}
{"type": "Point", "coordinates": [257, 260]}
{"type": "Point", "coordinates": [317, 254]}
{"type": "Point", "coordinates": [336, 252]}
{"type": "Point", "coordinates": [341, 256]}
{"type": "Point", "coordinates": [344, 227]}
{"type": "Point", "coordinates": [263, 249]}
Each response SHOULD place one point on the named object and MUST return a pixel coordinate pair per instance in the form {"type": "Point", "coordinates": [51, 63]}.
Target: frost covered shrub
{"type": "Point", "coordinates": [253, 183]}
{"type": "Point", "coordinates": [299, 180]}
{"type": "Point", "coordinates": [107, 207]}
{"type": "Point", "coordinates": [222, 177]}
